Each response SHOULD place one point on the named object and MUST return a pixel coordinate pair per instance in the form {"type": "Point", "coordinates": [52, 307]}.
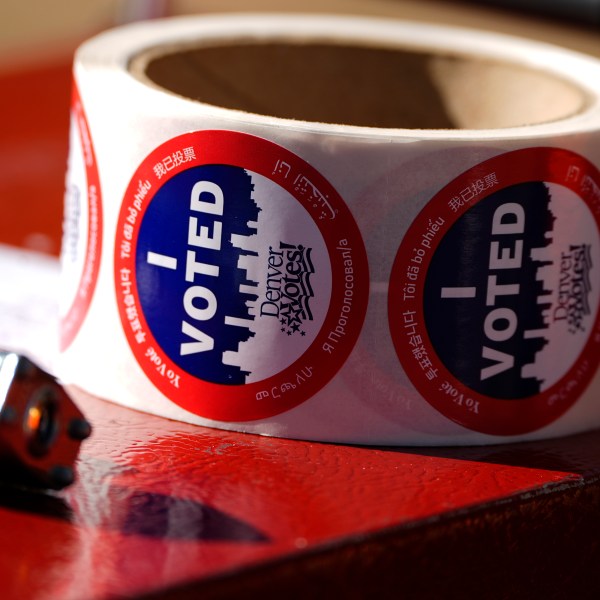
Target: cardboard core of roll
{"type": "Point", "coordinates": [359, 85]}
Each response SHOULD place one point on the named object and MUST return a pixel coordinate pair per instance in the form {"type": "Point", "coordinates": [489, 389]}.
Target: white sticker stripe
{"type": "Point", "coordinates": [459, 292]}
{"type": "Point", "coordinates": [238, 322]}
{"type": "Point", "coordinates": [530, 334]}
{"type": "Point", "coordinates": [160, 260]}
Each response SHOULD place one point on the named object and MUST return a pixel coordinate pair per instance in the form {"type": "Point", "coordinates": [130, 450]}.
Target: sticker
{"type": "Point", "coordinates": [493, 299]}
{"type": "Point", "coordinates": [82, 227]}
{"type": "Point", "coordinates": [241, 275]}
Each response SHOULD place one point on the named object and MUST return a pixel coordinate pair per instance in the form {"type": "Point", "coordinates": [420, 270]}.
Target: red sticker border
{"type": "Point", "coordinates": [72, 320]}
{"type": "Point", "coordinates": [341, 327]}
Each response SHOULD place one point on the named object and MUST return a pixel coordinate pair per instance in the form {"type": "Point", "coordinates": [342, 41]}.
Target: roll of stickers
{"type": "Point", "coordinates": [337, 229]}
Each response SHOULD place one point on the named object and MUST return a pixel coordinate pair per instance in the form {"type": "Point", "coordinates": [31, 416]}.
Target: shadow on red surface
{"type": "Point", "coordinates": [575, 454]}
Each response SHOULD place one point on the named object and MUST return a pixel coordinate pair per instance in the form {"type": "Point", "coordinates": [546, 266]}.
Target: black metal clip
{"type": "Point", "coordinates": [41, 429]}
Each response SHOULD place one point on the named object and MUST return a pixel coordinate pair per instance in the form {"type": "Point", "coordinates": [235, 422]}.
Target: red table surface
{"type": "Point", "coordinates": [172, 510]}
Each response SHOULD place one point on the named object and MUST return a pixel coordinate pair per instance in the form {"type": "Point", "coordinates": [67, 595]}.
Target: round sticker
{"type": "Point", "coordinates": [82, 227]}
{"type": "Point", "coordinates": [241, 275]}
{"type": "Point", "coordinates": [493, 299]}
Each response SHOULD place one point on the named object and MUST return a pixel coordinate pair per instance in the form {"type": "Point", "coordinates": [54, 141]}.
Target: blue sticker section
{"type": "Point", "coordinates": [192, 292]}
{"type": "Point", "coordinates": [483, 299]}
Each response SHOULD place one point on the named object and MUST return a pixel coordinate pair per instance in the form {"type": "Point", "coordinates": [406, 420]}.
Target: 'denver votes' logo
{"type": "Point", "coordinates": [241, 277]}
{"type": "Point", "coordinates": [288, 290]}
{"type": "Point", "coordinates": [574, 287]}
{"type": "Point", "coordinates": [494, 295]}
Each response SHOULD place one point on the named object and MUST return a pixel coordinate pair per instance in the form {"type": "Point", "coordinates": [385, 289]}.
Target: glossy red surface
{"type": "Point", "coordinates": [160, 504]}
